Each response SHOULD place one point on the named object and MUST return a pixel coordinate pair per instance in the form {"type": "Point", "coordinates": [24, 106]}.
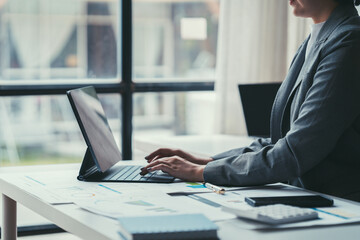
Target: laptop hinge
{"type": "Point", "coordinates": [88, 167]}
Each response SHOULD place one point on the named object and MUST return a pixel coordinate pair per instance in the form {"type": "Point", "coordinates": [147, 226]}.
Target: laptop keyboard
{"type": "Point", "coordinates": [132, 173]}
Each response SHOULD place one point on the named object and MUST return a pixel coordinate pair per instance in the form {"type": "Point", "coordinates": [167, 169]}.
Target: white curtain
{"type": "Point", "coordinates": [253, 47]}
{"type": "Point", "coordinates": [151, 38]}
{"type": "Point", "coordinates": [148, 37]}
{"type": "Point", "coordinates": [115, 12]}
{"type": "Point", "coordinates": [43, 29]}
{"type": "Point", "coordinates": [2, 2]}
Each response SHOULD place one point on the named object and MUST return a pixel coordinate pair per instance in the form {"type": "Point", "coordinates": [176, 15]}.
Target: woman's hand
{"type": "Point", "coordinates": [176, 167]}
{"type": "Point", "coordinates": [168, 152]}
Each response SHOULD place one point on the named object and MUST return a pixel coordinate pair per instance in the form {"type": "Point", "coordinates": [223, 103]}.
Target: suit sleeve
{"type": "Point", "coordinates": [331, 105]}
{"type": "Point", "coordinates": [256, 145]}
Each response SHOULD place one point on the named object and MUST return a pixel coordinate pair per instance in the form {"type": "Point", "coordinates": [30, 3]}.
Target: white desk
{"type": "Point", "coordinates": [87, 225]}
{"type": "Point", "coordinates": [91, 226]}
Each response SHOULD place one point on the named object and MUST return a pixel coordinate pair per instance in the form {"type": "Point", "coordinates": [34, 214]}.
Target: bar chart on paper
{"type": "Point", "coordinates": [135, 203]}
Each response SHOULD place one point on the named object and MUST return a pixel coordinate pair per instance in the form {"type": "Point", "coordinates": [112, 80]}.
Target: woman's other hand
{"type": "Point", "coordinates": [168, 152]}
{"type": "Point", "coordinates": [176, 167]}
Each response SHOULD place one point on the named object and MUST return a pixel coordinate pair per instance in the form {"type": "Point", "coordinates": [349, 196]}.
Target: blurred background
{"type": "Point", "coordinates": [76, 41]}
{"type": "Point", "coordinates": [214, 44]}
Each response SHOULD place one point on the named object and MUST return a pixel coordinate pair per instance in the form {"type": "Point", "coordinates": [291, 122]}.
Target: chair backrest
{"type": "Point", "coordinates": [257, 101]}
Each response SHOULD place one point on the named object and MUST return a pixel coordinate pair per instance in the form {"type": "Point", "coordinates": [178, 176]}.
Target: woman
{"type": "Point", "coordinates": [315, 120]}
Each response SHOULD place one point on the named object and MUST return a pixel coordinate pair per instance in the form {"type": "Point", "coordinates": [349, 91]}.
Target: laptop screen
{"type": "Point", "coordinates": [94, 126]}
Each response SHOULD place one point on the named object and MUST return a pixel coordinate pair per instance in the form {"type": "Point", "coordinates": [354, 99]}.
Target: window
{"type": "Point", "coordinates": [147, 59]}
{"type": "Point", "coordinates": [175, 40]}
{"type": "Point", "coordinates": [48, 39]}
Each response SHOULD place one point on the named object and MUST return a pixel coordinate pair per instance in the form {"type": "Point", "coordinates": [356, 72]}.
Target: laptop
{"type": "Point", "coordinates": [257, 101]}
{"type": "Point", "coordinates": [102, 154]}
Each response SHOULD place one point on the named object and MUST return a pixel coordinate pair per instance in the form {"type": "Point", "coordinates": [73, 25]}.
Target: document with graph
{"type": "Point", "coordinates": [148, 203]}
{"type": "Point", "coordinates": [342, 212]}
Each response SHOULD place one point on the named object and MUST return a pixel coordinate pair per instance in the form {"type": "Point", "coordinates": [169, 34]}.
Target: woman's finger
{"type": "Point", "coordinates": [150, 166]}
{"type": "Point", "coordinates": [163, 167]}
{"type": "Point", "coordinates": [161, 152]}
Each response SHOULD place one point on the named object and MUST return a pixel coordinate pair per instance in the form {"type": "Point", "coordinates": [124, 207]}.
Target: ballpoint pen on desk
{"type": "Point", "coordinates": [214, 188]}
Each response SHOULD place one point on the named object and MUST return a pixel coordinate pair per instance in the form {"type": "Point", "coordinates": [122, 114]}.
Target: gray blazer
{"type": "Point", "coordinates": [315, 120]}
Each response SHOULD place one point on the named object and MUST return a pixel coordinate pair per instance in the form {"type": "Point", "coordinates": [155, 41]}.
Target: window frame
{"type": "Point", "coordinates": [124, 85]}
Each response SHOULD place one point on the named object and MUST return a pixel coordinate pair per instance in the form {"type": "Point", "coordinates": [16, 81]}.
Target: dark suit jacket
{"type": "Point", "coordinates": [315, 120]}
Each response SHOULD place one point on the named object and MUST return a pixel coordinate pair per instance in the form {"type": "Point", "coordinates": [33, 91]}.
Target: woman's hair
{"type": "Point", "coordinates": [356, 2]}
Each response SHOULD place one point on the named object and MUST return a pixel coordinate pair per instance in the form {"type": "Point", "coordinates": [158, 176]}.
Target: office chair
{"type": "Point", "coordinates": [257, 100]}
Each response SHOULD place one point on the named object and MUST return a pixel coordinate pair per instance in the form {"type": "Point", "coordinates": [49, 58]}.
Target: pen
{"type": "Point", "coordinates": [214, 188]}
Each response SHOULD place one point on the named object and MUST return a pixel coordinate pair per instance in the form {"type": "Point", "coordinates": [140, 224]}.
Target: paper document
{"type": "Point", "coordinates": [54, 188]}
{"type": "Point", "coordinates": [40, 185]}
{"type": "Point", "coordinates": [148, 203]}
{"type": "Point", "coordinates": [341, 213]}
{"type": "Point", "coordinates": [172, 188]}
